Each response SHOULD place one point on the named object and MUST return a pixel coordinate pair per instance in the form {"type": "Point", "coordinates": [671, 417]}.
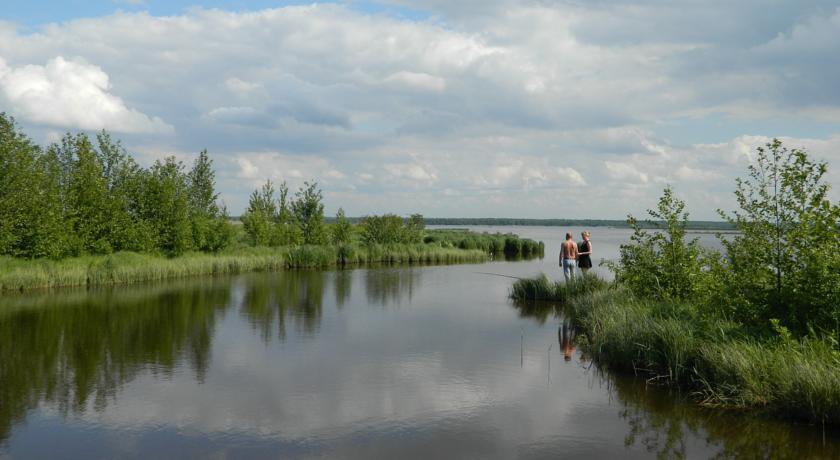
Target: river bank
{"type": "Point", "coordinates": [130, 267]}
{"type": "Point", "coordinates": [718, 363]}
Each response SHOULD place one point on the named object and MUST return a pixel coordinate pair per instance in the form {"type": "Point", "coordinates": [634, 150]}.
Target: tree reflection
{"type": "Point", "coordinates": [391, 286]}
{"type": "Point", "coordinates": [270, 299]}
{"type": "Point", "coordinates": [661, 421]}
{"type": "Point", "coordinates": [85, 345]}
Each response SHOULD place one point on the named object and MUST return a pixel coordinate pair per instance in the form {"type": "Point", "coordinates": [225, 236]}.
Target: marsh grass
{"type": "Point", "coordinates": [129, 267]}
{"type": "Point", "coordinates": [716, 360]}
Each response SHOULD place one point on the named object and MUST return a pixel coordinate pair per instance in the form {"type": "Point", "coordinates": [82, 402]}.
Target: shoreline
{"type": "Point", "coordinates": [124, 268]}
{"type": "Point", "coordinates": [718, 364]}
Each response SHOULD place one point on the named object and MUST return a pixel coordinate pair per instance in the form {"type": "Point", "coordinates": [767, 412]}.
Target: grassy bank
{"type": "Point", "coordinates": [497, 244]}
{"type": "Point", "coordinates": [718, 362]}
{"type": "Point", "coordinates": [128, 267]}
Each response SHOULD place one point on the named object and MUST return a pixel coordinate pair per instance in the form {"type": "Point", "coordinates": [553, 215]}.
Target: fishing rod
{"type": "Point", "coordinates": [498, 274]}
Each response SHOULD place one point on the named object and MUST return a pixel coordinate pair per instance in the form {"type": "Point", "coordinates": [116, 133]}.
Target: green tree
{"type": "Point", "coordinates": [31, 222]}
{"type": "Point", "coordinates": [209, 225]}
{"type": "Point", "coordinates": [166, 206]}
{"type": "Point", "coordinates": [258, 220]}
{"type": "Point", "coordinates": [286, 230]}
{"type": "Point", "coordinates": [90, 210]}
{"type": "Point", "coordinates": [342, 230]}
{"type": "Point", "coordinates": [308, 209]}
{"type": "Point", "coordinates": [785, 263]}
{"type": "Point", "coordinates": [661, 264]}
{"type": "Point", "coordinates": [414, 227]}
{"type": "Point", "coordinates": [384, 229]}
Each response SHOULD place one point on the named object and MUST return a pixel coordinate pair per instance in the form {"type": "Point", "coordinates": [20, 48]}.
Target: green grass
{"type": "Point", "coordinates": [714, 359]}
{"type": "Point", "coordinates": [129, 267]}
{"type": "Point", "coordinates": [497, 244]}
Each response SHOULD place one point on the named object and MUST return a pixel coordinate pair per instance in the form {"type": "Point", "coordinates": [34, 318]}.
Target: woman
{"type": "Point", "coordinates": [584, 252]}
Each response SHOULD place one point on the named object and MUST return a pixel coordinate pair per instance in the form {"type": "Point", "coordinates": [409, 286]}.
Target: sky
{"type": "Point", "coordinates": [475, 108]}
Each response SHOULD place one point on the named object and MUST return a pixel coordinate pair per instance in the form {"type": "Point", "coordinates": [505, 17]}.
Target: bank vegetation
{"type": "Point", "coordinates": [756, 326]}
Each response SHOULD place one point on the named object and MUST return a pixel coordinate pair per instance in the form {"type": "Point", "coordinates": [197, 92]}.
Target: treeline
{"type": "Point", "coordinates": [273, 218]}
{"type": "Point", "coordinates": [88, 196]}
{"type": "Point", "coordinates": [652, 224]}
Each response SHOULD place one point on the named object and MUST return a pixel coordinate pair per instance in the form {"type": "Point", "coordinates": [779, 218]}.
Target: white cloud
{"type": "Point", "coordinates": [71, 94]}
{"type": "Point", "coordinates": [523, 104]}
{"type": "Point", "coordinates": [239, 86]}
{"type": "Point", "coordinates": [421, 81]}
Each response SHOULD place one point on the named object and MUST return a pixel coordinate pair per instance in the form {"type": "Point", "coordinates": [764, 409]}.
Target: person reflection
{"type": "Point", "coordinates": [566, 334]}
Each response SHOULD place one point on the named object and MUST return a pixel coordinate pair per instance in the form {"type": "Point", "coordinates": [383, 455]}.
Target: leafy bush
{"type": "Point", "coordinates": [342, 231]}
{"type": "Point", "coordinates": [785, 263]}
{"type": "Point", "coordinates": [661, 264]}
{"type": "Point", "coordinates": [384, 229]}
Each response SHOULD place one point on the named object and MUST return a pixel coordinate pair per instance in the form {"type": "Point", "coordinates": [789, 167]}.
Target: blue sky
{"type": "Point", "coordinates": [35, 14]}
{"type": "Point", "coordinates": [521, 108]}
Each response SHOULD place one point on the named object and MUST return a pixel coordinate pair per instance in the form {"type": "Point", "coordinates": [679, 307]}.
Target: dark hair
{"type": "Point", "coordinates": [568, 235]}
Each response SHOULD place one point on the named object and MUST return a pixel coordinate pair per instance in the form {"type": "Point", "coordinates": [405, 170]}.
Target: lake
{"type": "Point", "coordinates": [388, 362]}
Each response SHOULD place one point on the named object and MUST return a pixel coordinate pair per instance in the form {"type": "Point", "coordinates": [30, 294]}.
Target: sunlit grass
{"type": "Point", "coordinates": [129, 267]}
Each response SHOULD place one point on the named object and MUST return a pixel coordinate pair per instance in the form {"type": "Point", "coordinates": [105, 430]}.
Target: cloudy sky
{"type": "Point", "coordinates": [499, 108]}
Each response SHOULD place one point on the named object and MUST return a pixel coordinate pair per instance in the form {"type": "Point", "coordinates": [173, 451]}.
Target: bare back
{"type": "Point", "coordinates": [569, 250]}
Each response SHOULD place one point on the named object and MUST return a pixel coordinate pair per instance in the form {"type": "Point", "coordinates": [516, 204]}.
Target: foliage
{"type": "Point", "coordinates": [497, 244]}
{"type": "Point", "coordinates": [31, 222]}
{"type": "Point", "coordinates": [261, 215]}
{"type": "Point", "coordinates": [308, 209]}
{"type": "Point", "coordinates": [84, 196]}
{"type": "Point", "coordinates": [342, 231]}
{"type": "Point", "coordinates": [384, 229]}
{"type": "Point", "coordinates": [662, 264]}
{"type": "Point", "coordinates": [785, 263]}
{"type": "Point", "coordinates": [414, 227]}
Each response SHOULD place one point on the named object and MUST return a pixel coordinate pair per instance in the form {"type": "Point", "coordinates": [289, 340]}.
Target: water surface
{"type": "Point", "coordinates": [406, 362]}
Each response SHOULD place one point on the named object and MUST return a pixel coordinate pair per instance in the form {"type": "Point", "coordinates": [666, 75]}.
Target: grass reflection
{"type": "Point", "coordinates": [662, 420]}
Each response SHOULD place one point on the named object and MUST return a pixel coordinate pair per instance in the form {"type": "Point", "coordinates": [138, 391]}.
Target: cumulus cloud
{"type": "Point", "coordinates": [507, 107]}
{"type": "Point", "coordinates": [72, 94]}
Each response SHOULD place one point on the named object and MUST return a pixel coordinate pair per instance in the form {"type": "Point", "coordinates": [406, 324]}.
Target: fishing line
{"type": "Point", "coordinates": [498, 274]}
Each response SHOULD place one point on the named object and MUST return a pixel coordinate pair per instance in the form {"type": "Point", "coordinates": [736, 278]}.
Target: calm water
{"type": "Point", "coordinates": [400, 362]}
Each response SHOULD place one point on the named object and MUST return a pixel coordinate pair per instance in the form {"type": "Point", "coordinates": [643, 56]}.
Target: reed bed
{"type": "Point", "coordinates": [129, 267]}
{"type": "Point", "coordinates": [716, 360]}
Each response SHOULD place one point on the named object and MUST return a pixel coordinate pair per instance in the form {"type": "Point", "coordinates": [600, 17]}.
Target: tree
{"type": "Point", "coordinates": [261, 215]}
{"type": "Point", "coordinates": [414, 228]}
{"type": "Point", "coordinates": [208, 223]}
{"type": "Point", "coordinates": [31, 222]}
{"type": "Point", "coordinates": [784, 264]}
{"type": "Point", "coordinates": [166, 206]}
{"type": "Point", "coordinates": [90, 206]}
{"type": "Point", "coordinates": [342, 230]}
{"type": "Point", "coordinates": [308, 209]}
{"type": "Point", "coordinates": [286, 231]}
{"type": "Point", "coordinates": [384, 229]}
{"type": "Point", "coordinates": [661, 264]}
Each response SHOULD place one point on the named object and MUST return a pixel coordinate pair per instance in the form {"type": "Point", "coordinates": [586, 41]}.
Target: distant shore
{"type": "Point", "coordinates": [708, 225]}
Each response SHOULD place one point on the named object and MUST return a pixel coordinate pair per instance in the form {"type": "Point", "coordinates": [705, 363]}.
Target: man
{"type": "Point", "coordinates": [568, 257]}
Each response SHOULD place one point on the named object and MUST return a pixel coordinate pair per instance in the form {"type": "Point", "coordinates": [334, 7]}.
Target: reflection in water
{"type": "Point", "coordinates": [391, 286]}
{"type": "Point", "coordinates": [566, 336]}
{"type": "Point", "coordinates": [538, 311]}
{"type": "Point", "coordinates": [270, 299]}
{"type": "Point", "coordinates": [662, 422]}
{"type": "Point", "coordinates": [86, 344]}
{"type": "Point", "coordinates": [343, 286]}
{"type": "Point", "coordinates": [448, 382]}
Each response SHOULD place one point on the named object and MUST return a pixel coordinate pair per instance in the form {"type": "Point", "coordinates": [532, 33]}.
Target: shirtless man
{"type": "Point", "coordinates": [568, 257]}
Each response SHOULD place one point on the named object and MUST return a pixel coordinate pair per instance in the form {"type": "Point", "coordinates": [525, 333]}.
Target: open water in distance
{"type": "Point", "coordinates": [392, 362]}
